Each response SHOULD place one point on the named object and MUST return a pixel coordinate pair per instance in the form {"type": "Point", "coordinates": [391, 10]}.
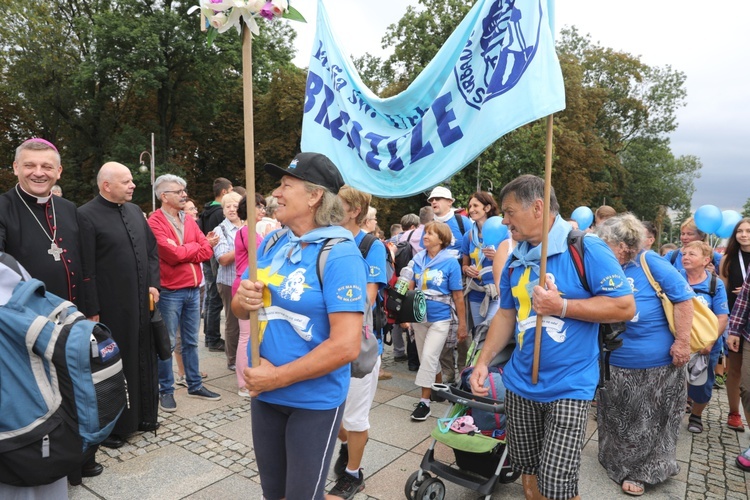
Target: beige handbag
{"type": "Point", "coordinates": [705, 328]}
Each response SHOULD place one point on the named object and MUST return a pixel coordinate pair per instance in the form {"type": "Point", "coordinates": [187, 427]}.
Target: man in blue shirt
{"type": "Point", "coordinates": [543, 448]}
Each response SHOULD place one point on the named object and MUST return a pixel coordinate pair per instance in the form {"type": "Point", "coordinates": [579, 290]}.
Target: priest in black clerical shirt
{"type": "Point", "coordinates": [42, 232]}
{"type": "Point", "coordinates": [118, 242]}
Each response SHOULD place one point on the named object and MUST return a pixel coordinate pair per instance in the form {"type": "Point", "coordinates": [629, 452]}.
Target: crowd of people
{"type": "Point", "coordinates": [322, 261]}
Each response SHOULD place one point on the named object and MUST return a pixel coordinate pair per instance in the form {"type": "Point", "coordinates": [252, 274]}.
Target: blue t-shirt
{"type": "Point", "coordinates": [647, 339]}
{"type": "Point", "coordinates": [718, 303]}
{"type": "Point", "coordinates": [473, 249]}
{"type": "Point", "coordinates": [678, 261]}
{"type": "Point", "coordinates": [458, 235]}
{"type": "Point", "coordinates": [569, 363]}
{"type": "Point", "coordinates": [442, 275]}
{"type": "Point", "coordinates": [375, 269]}
{"type": "Point", "coordinates": [294, 319]}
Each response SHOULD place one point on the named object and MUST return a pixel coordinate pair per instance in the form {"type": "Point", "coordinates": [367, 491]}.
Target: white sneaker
{"type": "Point", "coordinates": [243, 393]}
{"type": "Point", "coordinates": [181, 381]}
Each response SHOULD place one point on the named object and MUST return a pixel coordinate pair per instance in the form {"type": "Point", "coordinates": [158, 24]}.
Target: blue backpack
{"type": "Point", "coordinates": [62, 387]}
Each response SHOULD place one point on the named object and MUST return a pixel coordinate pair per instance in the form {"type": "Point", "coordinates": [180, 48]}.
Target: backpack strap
{"type": "Point", "coordinates": [274, 238]}
{"type": "Point", "coordinates": [460, 222]}
{"type": "Point", "coordinates": [712, 285]}
{"type": "Point", "coordinates": [673, 256]}
{"type": "Point", "coordinates": [323, 256]}
{"type": "Point", "coordinates": [576, 249]}
{"type": "Point", "coordinates": [366, 244]}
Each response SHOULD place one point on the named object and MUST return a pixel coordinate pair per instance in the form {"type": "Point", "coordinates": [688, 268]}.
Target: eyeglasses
{"type": "Point", "coordinates": [192, 209]}
{"type": "Point", "coordinates": [176, 191]}
{"type": "Point", "coordinates": [260, 208]}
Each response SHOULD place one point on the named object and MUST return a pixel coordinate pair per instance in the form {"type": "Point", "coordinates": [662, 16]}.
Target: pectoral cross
{"type": "Point", "coordinates": [55, 251]}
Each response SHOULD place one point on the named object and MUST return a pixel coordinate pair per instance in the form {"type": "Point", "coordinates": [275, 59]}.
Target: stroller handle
{"type": "Point", "coordinates": [456, 395]}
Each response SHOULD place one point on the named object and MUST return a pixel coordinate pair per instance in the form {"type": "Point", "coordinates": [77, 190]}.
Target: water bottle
{"type": "Point", "coordinates": [407, 274]}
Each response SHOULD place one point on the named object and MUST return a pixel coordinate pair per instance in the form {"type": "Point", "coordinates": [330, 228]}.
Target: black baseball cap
{"type": "Point", "coordinates": [311, 167]}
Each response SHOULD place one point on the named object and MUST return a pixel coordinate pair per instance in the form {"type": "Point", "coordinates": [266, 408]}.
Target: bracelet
{"type": "Point", "coordinates": [564, 308]}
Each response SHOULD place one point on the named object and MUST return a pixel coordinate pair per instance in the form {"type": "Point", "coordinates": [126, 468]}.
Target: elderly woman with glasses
{"type": "Point", "coordinates": [309, 333]}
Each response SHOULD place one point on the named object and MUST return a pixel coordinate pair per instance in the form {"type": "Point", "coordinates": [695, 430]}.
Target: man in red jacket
{"type": "Point", "coordinates": [182, 248]}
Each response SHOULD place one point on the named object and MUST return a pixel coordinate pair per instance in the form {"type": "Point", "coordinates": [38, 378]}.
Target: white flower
{"type": "Point", "coordinates": [280, 6]}
{"type": "Point", "coordinates": [255, 5]}
{"type": "Point", "coordinates": [218, 20]}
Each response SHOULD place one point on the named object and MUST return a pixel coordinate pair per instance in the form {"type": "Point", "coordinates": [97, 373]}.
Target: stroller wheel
{"type": "Point", "coordinates": [411, 486]}
{"type": "Point", "coordinates": [508, 476]}
{"type": "Point", "coordinates": [432, 489]}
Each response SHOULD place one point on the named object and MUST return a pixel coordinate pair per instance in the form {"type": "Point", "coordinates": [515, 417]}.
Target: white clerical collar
{"type": "Point", "coordinates": [39, 199]}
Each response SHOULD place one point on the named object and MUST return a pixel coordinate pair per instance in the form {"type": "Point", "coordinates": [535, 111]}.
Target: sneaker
{"type": "Point", "coordinates": [217, 347]}
{"type": "Point", "coordinates": [232, 368]}
{"type": "Point", "coordinates": [743, 460]}
{"type": "Point", "coordinates": [167, 403]}
{"type": "Point", "coordinates": [204, 393]}
{"type": "Point", "coordinates": [734, 422]}
{"type": "Point", "coordinates": [181, 381]}
{"type": "Point", "coordinates": [347, 486]}
{"type": "Point", "coordinates": [384, 375]}
{"type": "Point", "coordinates": [243, 393]}
{"type": "Point", "coordinates": [421, 412]}
{"type": "Point", "coordinates": [400, 357]}
{"type": "Point", "coordinates": [339, 468]}
{"type": "Point", "coordinates": [719, 381]}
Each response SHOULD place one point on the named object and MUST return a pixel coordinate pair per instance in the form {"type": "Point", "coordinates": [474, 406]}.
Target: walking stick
{"type": "Point", "coordinates": [543, 262]}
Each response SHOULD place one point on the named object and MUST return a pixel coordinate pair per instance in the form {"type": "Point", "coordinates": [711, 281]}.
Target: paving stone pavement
{"type": "Point", "coordinates": [205, 450]}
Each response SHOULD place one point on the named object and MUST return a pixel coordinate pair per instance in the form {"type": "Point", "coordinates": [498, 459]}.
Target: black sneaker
{"type": "Point", "coordinates": [167, 403]}
{"type": "Point", "coordinates": [421, 412]}
{"type": "Point", "coordinates": [204, 393]}
{"type": "Point", "coordinates": [217, 347]}
{"type": "Point", "coordinates": [339, 468]}
{"type": "Point", "coordinates": [347, 486]}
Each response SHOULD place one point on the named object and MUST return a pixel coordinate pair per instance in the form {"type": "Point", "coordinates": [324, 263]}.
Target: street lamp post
{"type": "Point", "coordinates": [144, 169]}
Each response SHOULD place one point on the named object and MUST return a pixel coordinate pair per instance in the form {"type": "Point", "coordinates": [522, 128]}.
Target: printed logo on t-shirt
{"type": "Point", "coordinates": [703, 300]}
{"type": "Point", "coordinates": [293, 286]}
{"type": "Point", "coordinates": [430, 276]}
{"type": "Point", "coordinates": [349, 293]}
{"type": "Point", "coordinates": [374, 271]}
{"type": "Point", "coordinates": [632, 284]}
{"type": "Point", "coordinates": [611, 283]}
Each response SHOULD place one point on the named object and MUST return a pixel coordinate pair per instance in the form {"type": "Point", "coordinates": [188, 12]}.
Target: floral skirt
{"type": "Point", "coordinates": [639, 413]}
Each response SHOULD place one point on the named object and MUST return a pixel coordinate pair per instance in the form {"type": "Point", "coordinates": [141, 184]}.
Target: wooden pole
{"type": "Point", "coordinates": [252, 261]}
{"type": "Point", "coordinates": [543, 260]}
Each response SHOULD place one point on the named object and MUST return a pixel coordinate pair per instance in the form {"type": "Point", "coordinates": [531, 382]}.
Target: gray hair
{"type": "Point", "coordinates": [624, 228]}
{"type": "Point", "coordinates": [271, 206]}
{"type": "Point", "coordinates": [159, 187]}
{"type": "Point", "coordinates": [529, 188]}
{"type": "Point", "coordinates": [36, 146]}
{"type": "Point", "coordinates": [426, 214]}
{"type": "Point", "coordinates": [409, 221]}
{"type": "Point", "coordinates": [330, 211]}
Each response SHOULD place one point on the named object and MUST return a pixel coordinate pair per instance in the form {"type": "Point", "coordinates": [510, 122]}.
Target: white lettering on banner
{"type": "Point", "coordinates": [298, 321]}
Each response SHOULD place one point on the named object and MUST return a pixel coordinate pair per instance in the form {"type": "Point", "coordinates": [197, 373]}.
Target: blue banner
{"type": "Point", "coordinates": [496, 72]}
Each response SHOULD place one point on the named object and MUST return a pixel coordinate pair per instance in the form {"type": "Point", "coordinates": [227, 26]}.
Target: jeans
{"type": "Point", "coordinates": [181, 309]}
{"type": "Point", "coordinates": [214, 305]}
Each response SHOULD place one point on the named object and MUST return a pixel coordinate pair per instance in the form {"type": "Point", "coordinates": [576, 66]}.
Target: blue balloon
{"type": "Point", "coordinates": [729, 219]}
{"type": "Point", "coordinates": [583, 216]}
{"type": "Point", "coordinates": [494, 231]}
{"type": "Point", "coordinates": [708, 218]}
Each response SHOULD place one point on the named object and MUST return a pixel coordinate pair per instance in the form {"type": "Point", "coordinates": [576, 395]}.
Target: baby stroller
{"type": "Point", "coordinates": [482, 461]}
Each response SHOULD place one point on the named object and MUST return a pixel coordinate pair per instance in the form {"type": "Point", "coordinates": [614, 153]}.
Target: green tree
{"type": "Point", "coordinates": [746, 208]}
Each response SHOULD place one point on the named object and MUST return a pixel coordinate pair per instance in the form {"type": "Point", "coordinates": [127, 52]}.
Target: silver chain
{"type": "Point", "coordinates": [54, 216]}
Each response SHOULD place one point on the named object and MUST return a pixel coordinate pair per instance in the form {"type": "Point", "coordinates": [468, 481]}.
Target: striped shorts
{"type": "Point", "coordinates": [545, 440]}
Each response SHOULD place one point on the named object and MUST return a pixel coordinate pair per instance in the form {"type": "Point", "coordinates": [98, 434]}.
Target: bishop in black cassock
{"type": "Point", "coordinates": [122, 248]}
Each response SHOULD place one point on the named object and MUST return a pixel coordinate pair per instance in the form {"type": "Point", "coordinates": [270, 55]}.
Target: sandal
{"type": "Point", "coordinates": [695, 424]}
{"type": "Point", "coordinates": [634, 488]}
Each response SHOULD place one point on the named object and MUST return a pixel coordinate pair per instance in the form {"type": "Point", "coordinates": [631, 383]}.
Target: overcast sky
{"type": "Point", "coordinates": [710, 46]}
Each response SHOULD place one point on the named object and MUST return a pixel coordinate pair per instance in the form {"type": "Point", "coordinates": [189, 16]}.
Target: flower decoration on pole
{"type": "Point", "coordinates": [222, 15]}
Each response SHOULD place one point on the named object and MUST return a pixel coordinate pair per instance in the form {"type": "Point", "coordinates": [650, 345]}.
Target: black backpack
{"type": "Point", "coordinates": [403, 254]}
{"type": "Point", "coordinates": [380, 324]}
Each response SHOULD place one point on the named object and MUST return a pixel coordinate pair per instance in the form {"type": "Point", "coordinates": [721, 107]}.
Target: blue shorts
{"type": "Point", "coordinates": [293, 449]}
{"type": "Point", "coordinates": [701, 394]}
